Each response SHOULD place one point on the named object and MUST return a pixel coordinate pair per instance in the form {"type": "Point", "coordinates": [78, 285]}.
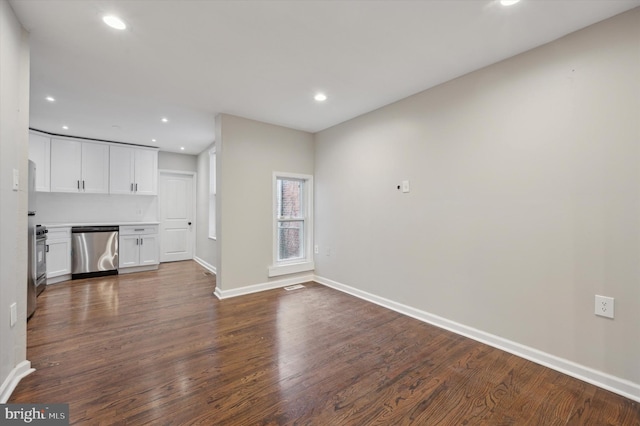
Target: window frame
{"type": "Point", "coordinates": [306, 263]}
{"type": "Point", "coordinates": [212, 234]}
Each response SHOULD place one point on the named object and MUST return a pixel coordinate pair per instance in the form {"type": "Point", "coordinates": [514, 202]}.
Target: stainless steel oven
{"type": "Point", "coordinates": [41, 258]}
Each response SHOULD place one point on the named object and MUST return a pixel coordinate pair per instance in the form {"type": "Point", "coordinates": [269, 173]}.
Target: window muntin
{"type": "Point", "coordinates": [292, 224]}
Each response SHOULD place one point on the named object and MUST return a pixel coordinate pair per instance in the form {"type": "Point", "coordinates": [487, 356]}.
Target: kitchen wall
{"type": "Point", "coordinates": [105, 208]}
{"type": "Point", "coordinates": [206, 248]}
{"type": "Point", "coordinates": [177, 162]}
{"type": "Point", "coordinates": [248, 152]}
{"type": "Point", "coordinates": [61, 207]}
{"type": "Point", "coordinates": [523, 205]}
{"type": "Point", "coordinates": [14, 116]}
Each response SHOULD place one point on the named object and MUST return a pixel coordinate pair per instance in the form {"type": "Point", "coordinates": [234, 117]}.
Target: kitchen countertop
{"type": "Point", "coordinates": [68, 225]}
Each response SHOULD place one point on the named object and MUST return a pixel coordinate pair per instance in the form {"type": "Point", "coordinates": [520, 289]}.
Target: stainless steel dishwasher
{"type": "Point", "coordinates": [94, 251]}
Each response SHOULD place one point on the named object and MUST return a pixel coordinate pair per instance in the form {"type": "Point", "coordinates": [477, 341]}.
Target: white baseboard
{"type": "Point", "coordinates": [58, 279]}
{"type": "Point", "coordinates": [225, 294]}
{"type": "Point", "coordinates": [205, 265]}
{"type": "Point", "coordinates": [606, 381]}
{"type": "Point", "coordinates": [19, 371]}
{"type": "Point", "coordinates": [133, 269]}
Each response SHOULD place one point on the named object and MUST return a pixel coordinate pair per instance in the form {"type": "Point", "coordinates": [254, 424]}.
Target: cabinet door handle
{"type": "Point", "coordinates": [83, 185]}
{"type": "Point", "coordinates": [141, 241]}
{"type": "Point", "coordinates": [131, 187]}
{"type": "Point", "coordinates": [136, 187]}
{"type": "Point", "coordinates": [78, 184]}
{"type": "Point", "coordinates": [47, 248]}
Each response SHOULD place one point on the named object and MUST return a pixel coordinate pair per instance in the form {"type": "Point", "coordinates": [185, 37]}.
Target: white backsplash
{"type": "Point", "coordinates": [95, 208]}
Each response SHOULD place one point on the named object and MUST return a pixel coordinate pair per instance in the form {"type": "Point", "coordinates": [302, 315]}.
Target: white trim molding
{"type": "Point", "coordinates": [19, 371]}
{"type": "Point", "coordinates": [235, 292]}
{"type": "Point", "coordinates": [209, 267]}
{"type": "Point", "coordinates": [292, 268]}
{"type": "Point", "coordinates": [194, 195]}
{"type": "Point", "coordinates": [131, 269]}
{"type": "Point", "coordinates": [212, 194]}
{"type": "Point", "coordinates": [606, 381]}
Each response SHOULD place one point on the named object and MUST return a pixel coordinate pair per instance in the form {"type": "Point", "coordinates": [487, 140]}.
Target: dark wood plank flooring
{"type": "Point", "coordinates": [159, 348]}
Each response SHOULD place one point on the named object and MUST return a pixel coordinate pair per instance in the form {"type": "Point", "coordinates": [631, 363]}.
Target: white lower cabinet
{"type": "Point", "coordinates": [129, 251]}
{"type": "Point", "coordinates": [58, 254]}
{"type": "Point", "coordinates": [149, 249]}
{"type": "Point", "coordinates": [138, 246]}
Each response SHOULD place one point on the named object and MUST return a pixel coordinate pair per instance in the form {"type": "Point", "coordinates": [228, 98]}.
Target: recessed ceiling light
{"type": "Point", "coordinates": [320, 97]}
{"type": "Point", "coordinates": [508, 2]}
{"type": "Point", "coordinates": [164, 119]}
{"type": "Point", "coordinates": [114, 22]}
{"type": "Point", "coordinates": [50, 98]}
{"type": "Point", "coordinates": [153, 140]}
{"type": "Point", "coordinates": [182, 148]}
{"type": "Point", "coordinates": [65, 127]}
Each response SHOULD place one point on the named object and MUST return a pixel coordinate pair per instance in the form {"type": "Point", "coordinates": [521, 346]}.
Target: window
{"type": "Point", "coordinates": [292, 224]}
{"type": "Point", "coordinates": [212, 193]}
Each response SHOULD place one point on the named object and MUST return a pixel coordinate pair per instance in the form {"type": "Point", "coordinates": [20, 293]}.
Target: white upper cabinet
{"type": "Point", "coordinates": [133, 171]}
{"type": "Point", "coordinates": [66, 165]}
{"type": "Point", "coordinates": [73, 165]}
{"type": "Point", "coordinates": [95, 168]}
{"type": "Point", "coordinates": [79, 166]}
{"type": "Point", "coordinates": [40, 153]}
{"type": "Point", "coordinates": [121, 170]}
{"type": "Point", "coordinates": [146, 171]}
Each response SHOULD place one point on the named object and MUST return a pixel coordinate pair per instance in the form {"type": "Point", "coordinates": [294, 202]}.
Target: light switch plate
{"type": "Point", "coordinates": [13, 309]}
{"type": "Point", "coordinates": [16, 179]}
{"type": "Point", "coordinates": [604, 306]}
{"type": "Point", "coordinates": [405, 186]}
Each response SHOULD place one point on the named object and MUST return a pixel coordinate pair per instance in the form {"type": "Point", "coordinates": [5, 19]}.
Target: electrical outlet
{"type": "Point", "coordinates": [604, 306]}
{"type": "Point", "coordinates": [13, 310]}
{"type": "Point", "coordinates": [327, 251]}
{"type": "Point", "coordinates": [316, 249]}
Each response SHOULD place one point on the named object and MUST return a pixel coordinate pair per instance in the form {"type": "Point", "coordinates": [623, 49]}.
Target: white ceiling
{"type": "Point", "coordinates": [189, 60]}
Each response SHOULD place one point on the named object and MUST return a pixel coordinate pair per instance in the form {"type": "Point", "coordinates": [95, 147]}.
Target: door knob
{"type": "Point", "coordinates": [189, 223]}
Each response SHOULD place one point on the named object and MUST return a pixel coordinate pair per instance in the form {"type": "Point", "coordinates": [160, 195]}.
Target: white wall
{"type": "Point", "coordinates": [175, 161]}
{"type": "Point", "coordinates": [524, 202]}
{"type": "Point", "coordinates": [206, 248]}
{"type": "Point", "coordinates": [248, 153]}
{"type": "Point", "coordinates": [58, 207]}
{"type": "Point", "coordinates": [14, 116]}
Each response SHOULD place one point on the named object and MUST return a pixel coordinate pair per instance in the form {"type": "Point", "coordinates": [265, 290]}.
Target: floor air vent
{"type": "Point", "coordinates": [294, 287]}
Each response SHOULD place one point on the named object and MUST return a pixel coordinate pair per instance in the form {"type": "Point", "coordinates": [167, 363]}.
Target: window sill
{"type": "Point", "coordinates": [212, 238]}
{"type": "Point", "coordinates": [291, 268]}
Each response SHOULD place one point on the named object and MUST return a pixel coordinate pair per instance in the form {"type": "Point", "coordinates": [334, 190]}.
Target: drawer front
{"type": "Point", "coordinates": [138, 229]}
{"type": "Point", "coordinates": [58, 233]}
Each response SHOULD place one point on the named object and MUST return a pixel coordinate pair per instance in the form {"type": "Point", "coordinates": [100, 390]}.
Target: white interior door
{"type": "Point", "coordinates": [177, 215]}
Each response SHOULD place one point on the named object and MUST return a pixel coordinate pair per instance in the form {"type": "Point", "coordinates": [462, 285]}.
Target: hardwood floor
{"type": "Point", "coordinates": [159, 348]}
